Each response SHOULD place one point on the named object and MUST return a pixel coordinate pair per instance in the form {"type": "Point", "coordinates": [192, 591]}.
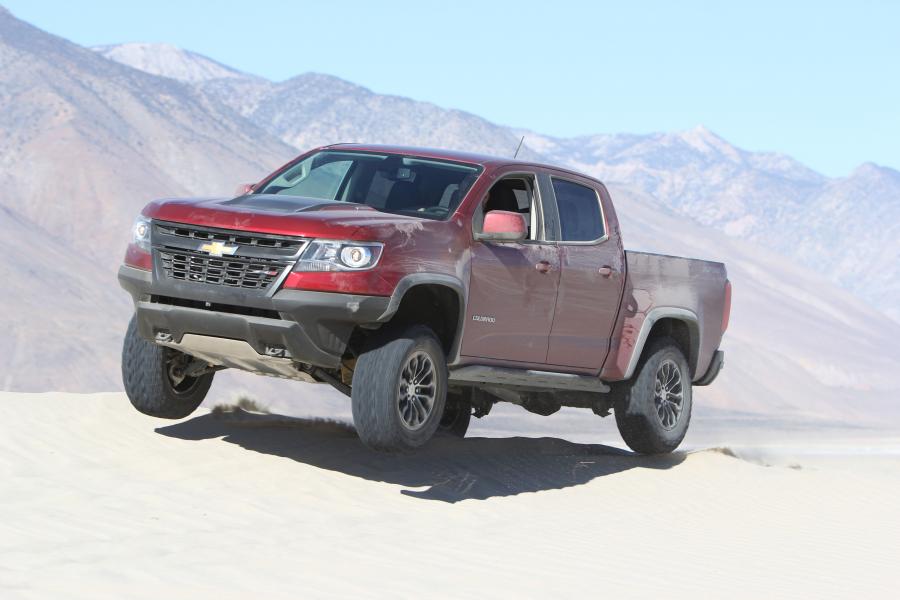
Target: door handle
{"type": "Point", "coordinates": [543, 266]}
{"type": "Point", "coordinates": [606, 271]}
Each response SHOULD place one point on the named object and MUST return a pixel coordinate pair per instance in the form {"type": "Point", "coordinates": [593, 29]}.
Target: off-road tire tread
{"type": "Point", "coordinates": [374, 394]}
{"type": "Point", "coordinates": [640, 429]}
{"type": "Point", "coordinates": [145, 382]}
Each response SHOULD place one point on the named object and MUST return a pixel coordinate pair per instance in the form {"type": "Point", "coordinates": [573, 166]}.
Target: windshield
{"type": "Point", "coordinates": [405, 185]}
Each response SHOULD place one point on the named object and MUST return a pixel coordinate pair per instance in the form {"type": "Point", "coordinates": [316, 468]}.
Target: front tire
{"type": "Point", "coordinates": [154, 381]}
{"type": "Point", "coordinates": [654, 411]}
{"type": "Point", "coordinates": [399, 389]}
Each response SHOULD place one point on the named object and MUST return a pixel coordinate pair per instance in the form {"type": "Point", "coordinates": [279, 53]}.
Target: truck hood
{"type": "Point", "coordinates": [284, 215]}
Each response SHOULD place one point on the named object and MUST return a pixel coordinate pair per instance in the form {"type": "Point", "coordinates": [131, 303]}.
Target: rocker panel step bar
{"type": "Point", "coordinates": [527, 378]}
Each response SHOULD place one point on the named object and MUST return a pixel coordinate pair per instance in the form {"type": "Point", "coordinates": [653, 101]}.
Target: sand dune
{"type": "Point", "coordinates": [100, 502]}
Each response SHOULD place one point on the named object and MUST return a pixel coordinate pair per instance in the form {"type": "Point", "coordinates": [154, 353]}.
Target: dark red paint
{"type": "Point", "coordinates": [138, 258]}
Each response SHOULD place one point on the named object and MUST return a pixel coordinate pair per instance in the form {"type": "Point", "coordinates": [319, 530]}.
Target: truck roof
{"type": "Point", "coordinates": [485, 160]}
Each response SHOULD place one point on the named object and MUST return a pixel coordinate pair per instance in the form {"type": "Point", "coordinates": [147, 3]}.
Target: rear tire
{"type": "Point", "coordinates": [654, 411]}
{"type": "Point", "coordinates": [457, 415]}
{"type": "Point", "coordinates": [152, 382]}
{"type": "Point", "coordinates": [399, 389]}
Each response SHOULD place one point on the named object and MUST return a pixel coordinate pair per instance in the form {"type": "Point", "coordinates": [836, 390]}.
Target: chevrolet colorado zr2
{"type": "Point", "coordinates": [427, 285]}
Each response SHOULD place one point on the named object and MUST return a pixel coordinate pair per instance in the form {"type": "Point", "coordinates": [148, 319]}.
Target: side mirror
{"type": "Point", "coordinates": [244, 188]}
{"type": "Point", "coordinates": [503, 226]}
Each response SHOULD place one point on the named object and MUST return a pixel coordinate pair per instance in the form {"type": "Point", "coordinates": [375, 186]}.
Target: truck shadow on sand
{"type": "Point", "coordinates": [448, 469]}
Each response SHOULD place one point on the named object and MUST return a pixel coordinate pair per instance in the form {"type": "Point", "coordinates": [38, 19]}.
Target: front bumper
{"type": "Point", "coordinates": [294, 326]}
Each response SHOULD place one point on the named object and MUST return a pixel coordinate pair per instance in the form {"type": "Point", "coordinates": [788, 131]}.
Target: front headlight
{"type": "Point", "coordinates": [140, 233]}
{"type": "Point", "coordinates": [332, 255]}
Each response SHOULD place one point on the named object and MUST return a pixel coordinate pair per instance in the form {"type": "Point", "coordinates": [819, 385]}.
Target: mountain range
{"type": "Point", "coordinates": [89, 136]}
{"type": "Point", "coordinates": [847, 229]}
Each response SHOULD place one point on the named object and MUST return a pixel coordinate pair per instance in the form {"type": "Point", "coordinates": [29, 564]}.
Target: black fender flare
{"type": "Point", "coordinates": [441, 279]}
{"type": "Point", "coordinates": [688, 317]}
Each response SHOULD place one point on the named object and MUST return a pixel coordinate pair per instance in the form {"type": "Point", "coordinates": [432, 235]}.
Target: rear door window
{"type": "Point", "coordinates": [580, 216]}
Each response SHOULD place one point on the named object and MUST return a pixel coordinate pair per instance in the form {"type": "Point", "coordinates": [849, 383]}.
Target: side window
{"type": "Point", "coordinates": [580, 217]}
{"type": "Point", "coordinates": [514, 194]}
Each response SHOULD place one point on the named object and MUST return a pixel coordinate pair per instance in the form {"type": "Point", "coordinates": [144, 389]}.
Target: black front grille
{"type": "Point", "coordinates": [201, 255]}
{"type": "Point", "coordinates": [234, 271]}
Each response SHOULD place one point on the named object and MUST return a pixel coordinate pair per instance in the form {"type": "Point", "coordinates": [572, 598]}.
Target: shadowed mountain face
{"type": "Point", "coordinates": [85, 142]}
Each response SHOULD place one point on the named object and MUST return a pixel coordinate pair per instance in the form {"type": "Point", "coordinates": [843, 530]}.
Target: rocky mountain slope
{"type": "Point", "coordinates": [85, 142]}
{"type": "Point", "coordinates": [169, 61]}
{"type": "Point", "coordinates": [850, 232]}
{"type": "Point", "coordinates": [313, 109]}
{"type": "Point", "coordinates": [847, 229]}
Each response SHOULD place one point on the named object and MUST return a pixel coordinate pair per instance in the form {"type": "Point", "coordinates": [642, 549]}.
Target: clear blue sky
{"type": "Point", "coordinates": [817, 80]}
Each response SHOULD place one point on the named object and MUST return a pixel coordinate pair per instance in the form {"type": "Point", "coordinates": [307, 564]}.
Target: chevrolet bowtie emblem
{"type": "Point", "coordinates": [218, 249]}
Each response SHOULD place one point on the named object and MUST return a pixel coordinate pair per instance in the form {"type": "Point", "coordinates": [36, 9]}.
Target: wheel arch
{"type": "Point", "coordinates": [680, 324]}
{"type": "Point", "coordinates": [418, 295]}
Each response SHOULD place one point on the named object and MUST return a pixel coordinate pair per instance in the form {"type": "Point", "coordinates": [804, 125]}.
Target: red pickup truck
{"type": "Point", "coordinates": [427, 285]}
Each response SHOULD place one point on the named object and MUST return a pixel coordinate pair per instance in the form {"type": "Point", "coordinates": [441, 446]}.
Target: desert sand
{"type": "Point", "coordinates": [98, 501]}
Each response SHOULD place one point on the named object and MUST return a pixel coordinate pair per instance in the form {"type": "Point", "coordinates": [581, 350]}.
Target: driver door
{"type": "Point", "coordinates": [512, 293]}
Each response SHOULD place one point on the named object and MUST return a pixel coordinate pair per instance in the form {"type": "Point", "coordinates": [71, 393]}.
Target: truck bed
{"type": "Point", "coordinates": [658, 286]}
